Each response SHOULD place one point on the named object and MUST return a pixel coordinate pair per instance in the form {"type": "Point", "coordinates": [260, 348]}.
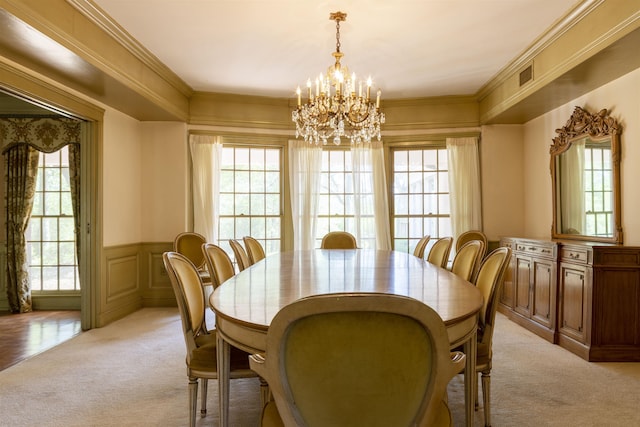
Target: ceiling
{"type": "Point", "coordinates": [411, 48]}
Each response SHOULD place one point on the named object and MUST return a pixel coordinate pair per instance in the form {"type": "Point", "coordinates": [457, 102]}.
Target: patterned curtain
{"type": "Point", "coordinates": [74, 180]}
{"type": "Point", "coordinates": [21, 167]}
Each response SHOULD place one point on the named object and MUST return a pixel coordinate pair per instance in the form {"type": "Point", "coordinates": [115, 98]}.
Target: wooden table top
{"type": "Point", "coordinates": [254, 296]}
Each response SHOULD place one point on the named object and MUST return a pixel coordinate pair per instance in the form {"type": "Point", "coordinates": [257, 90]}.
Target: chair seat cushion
{"type": "Point", "coordinates": [204, 356]}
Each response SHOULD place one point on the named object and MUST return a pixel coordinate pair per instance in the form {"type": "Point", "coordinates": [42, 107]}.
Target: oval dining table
{"type": "Point", "coordinates": [245, 304]}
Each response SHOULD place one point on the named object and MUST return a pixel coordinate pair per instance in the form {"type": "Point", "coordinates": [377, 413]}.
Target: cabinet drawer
{"type": "Point", "coordinates": [536, 249]}
{"type": "Point", "coordinates": [575, 255]}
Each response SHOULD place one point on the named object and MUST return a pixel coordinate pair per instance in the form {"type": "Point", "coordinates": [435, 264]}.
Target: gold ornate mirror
{"type": "Point", "coordinates": [585, 174]}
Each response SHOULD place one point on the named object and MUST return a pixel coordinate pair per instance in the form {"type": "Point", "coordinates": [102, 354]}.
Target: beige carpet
{"type": "Point", "coordinates": [131, 373]}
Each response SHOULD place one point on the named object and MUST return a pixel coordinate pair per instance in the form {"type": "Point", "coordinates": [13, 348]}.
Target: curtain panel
{"type": "Point", "coordinates": [370, 194]}
{"type": "Point", "coordinates": [21, 168]}
{"type": "Point", "coordinates": [206, 154]}
{"type": "Point", "coordinates": [572, 201]}
{"type": "Point", "coordinates": [305, 167]}
{"type": "Point", "coordinates": [464, 185]}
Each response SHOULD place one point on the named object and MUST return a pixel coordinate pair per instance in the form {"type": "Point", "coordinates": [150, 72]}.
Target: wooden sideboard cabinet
{"type": "Point", "coordinates": [595, 296]}
{"type": "Point", "coordinates": [528, 295]}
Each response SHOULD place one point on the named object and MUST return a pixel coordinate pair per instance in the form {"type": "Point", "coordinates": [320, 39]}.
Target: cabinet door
{"type": "Point", "coordinates": [522, 279]}
{"type": "Point", "coordinates": [572, 307]}
{"type": "Point", "coordinates": [543, 292]}
{"type": "Point", "coordinates": [507, 291]}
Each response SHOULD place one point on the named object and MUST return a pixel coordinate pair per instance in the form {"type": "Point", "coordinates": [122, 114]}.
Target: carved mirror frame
{"type": "Point", "coordinates": [599, 127]}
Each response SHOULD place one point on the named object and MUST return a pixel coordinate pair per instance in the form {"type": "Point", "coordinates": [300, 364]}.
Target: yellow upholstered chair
{"type": "Point", "coordinates": [439, 253]}
{"type": "Point", "coordinates": [469, 236]}
{"type": "Point", "coordinates": [219, 264]}
{"type": "Point", "coordinates": [467, 259]}
{"type": "Point", "coordinates": [421, 246]}
{"type": "Point", "coordinates": [242, 259]}
{"type": "Point", "coordinates": [254, 249]}
{"type": "Point", "coordinates": [338, 240]}
{"type": "Point", "coordinates": [489, 281]}
{"type": "Point", "coordinates": [190, 244]}
{"type": "Point", "coordinates": [357, 360]}
{"type": "Point", "coordinates": [200, 342]}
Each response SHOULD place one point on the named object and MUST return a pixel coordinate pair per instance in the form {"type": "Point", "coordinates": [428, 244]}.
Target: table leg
{"type": "Point", "coordinates": [470, 350]}
{"type": "Point", "coordinates": [224, 361]}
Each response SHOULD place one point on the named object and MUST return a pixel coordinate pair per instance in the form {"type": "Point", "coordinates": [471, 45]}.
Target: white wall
{"type": "Point", "coordinates": [165, 181]}
{"type": "Point", "coordinates": [122, 158]}
{"type": "Point", "coordinates": [501, 162]}
{"type": "Point", "coordinates": [622, 98]}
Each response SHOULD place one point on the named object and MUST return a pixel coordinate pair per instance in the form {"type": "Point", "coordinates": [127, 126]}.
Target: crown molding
{"type": "Point", "coordinates": [100, 18]}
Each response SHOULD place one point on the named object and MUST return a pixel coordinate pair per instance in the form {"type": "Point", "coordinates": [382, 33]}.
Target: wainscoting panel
{"type": "Point", "coordinates": [156, 287]}
{"type": "Point", "coordinates": [120, 287]}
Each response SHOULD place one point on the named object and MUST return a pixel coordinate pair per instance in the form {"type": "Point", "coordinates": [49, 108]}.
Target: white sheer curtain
{"type": "Point", "coordinates": [206, 152]}
{"type": "Point", "coordinates": [573, 217]}
{"type": "Point", "coordinates": [305, 167]}
{"type": "Point", "coordinates": [464, 184]}
{"type": "Point", "coordinates": [370, 194]}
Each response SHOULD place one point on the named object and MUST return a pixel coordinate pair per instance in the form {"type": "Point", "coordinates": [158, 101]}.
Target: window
{"type": "Point", "coordinates": [598, 191]}
{"type": "Point", "coordinates": [250, 196]}
{"type": "Point", "coordinates": [51, 247]}
{"type": "Point", "coordinates": [335, 204]}
{"type": "Point", "coordinates": [337, 201]}
{"type": "Point", "coordinates": [420, 195]}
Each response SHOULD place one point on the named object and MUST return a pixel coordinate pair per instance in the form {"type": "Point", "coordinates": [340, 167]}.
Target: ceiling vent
{"type": "Point", "coordinates": [526, 75]}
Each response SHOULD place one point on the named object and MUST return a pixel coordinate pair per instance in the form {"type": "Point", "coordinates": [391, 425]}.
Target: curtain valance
{"type": "Point", "coordinates": [47, 134]}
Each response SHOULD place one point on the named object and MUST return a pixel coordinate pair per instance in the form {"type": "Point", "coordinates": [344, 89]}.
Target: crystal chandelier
{"type": "Point", "coordinates": [340, 106]}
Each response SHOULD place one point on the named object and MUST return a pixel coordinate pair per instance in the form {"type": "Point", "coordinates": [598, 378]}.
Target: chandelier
{"type": "Point", "coordinates": [340, 106]}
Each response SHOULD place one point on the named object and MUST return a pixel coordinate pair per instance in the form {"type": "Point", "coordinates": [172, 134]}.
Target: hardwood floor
{"type": "Point", "coordinates": [27, 334]}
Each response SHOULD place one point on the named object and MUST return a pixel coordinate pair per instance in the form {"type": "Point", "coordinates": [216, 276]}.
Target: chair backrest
{"type": "Point", "coordinates": [190, 244]}
{"type": "Point", "coordinates": [467, 259]}
{"type": "Point", "coordinates": [358, 359]}
{"type": "Point", "coordinates": [439, 253]}
{"type": "Point", "coordinates": [219, 264]}
{"type": "Point", "coordinates": [189, 293]}
{"type": "Point", "coordinates": [488, 281]}
{"type": "Point", "coordinates": [242, 259]}
{"type": "Point", "coordinates": [470, 235]}
{"type": "Point", "coordinates": [339, 240]}
{"type": "Point", "coordinates": [255, 250]}
{"type": "Point", "coordinates": [421, 246]}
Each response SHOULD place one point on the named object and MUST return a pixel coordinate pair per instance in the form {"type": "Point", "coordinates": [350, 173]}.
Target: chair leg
{"type": "Point", "coordinates": [475, 393]}
{"type": "Point", "coordinates": [203, 399]}
{"type": "Point", "coordinates": [486, 397]}
{"type": "Point", "coordinates": [193, 400]}
{"type": "Point", "coordinates": [265, 392]}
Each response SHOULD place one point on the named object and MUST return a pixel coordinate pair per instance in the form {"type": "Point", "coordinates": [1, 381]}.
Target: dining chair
{"type": "Point", "coordinates": [338, 240]}
{"type": "Point", "coordinates": [201, 359]}
{"type": "Point", "coordinates": [189, 244]}
{"type": "Point", "coordinates": [488, 281]}
{"type": "Point", "coordinates": [471, 235]}
{"type": "Point", "coordinates": [219, 264]}
{"type": "Point", "coordinates": [255, 251]}
{"type": "Point", "coordinates": [357, 359]}
{"type": "Point", "coordinates": [467, 259]}
{"type": "Point", "coordinates": [242, 259]}
{"type": "Point", "coordinates": [421, 246]}
{"type": "Point", "coordinates": [439, 253]}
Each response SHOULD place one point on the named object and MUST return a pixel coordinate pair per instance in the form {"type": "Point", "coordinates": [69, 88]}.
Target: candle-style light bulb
{"type": "Point", "coordinates": [369, 88]}
{"type": "Point", "coordinates": [378, 99]}
{"type": "Point", "coordinates": [298, 93]}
